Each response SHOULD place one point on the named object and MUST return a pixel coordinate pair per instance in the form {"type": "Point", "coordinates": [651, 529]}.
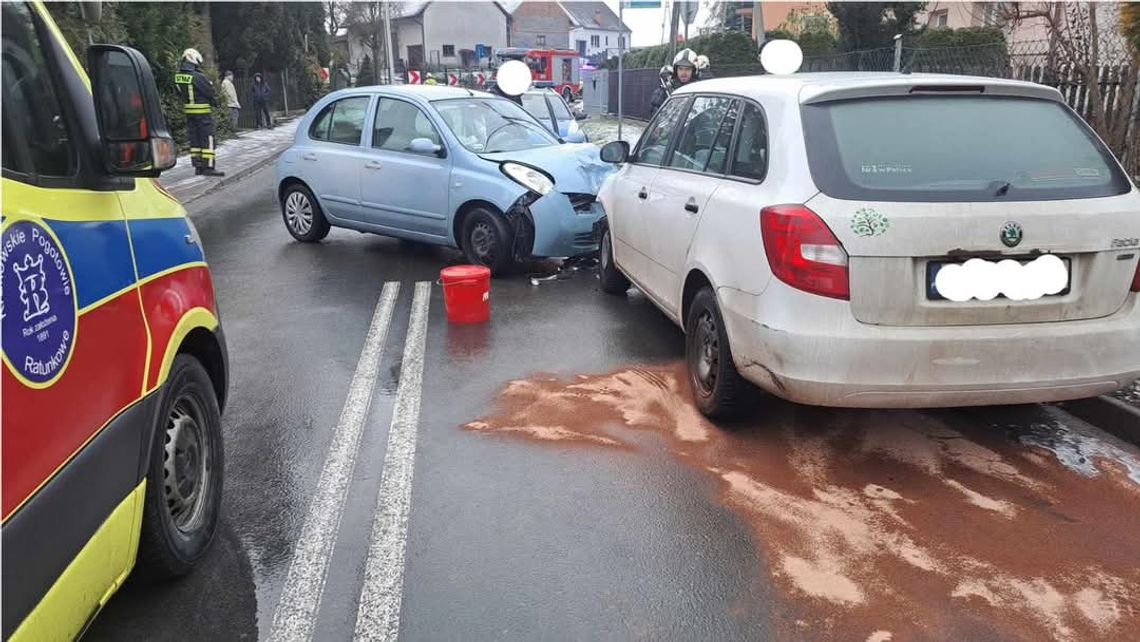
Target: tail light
{"type": "Point", "coordinates": [803, 252]}
{"type": "Point", "coordinates": [1136, 279]}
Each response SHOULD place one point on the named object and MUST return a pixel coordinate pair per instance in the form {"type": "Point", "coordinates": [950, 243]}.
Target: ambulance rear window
{"type": "Point", "coordinates": [36, 138]}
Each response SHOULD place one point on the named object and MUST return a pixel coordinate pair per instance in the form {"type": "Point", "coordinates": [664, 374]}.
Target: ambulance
{"type": "Point", "coordinates": [115, 366]}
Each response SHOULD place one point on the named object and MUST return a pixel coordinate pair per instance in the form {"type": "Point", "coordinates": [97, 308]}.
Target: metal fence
{"type": "Point", "coordinates": [284, 95]}
{"type": "Point", "coordinates": [1044, 62]}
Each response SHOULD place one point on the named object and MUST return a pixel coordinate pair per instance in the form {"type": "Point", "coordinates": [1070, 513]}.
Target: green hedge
{"type": "Point", "coordinates": [729, 48]}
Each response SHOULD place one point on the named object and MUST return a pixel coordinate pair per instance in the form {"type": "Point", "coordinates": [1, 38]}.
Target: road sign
{"type": "Point", "coordinates": [482, 51]}
{"type": "Point", "coordinates": [689, 10]}
{"type": "Point", "coordinates": [480, 79]}
{"type": "Point", "coordinates": [642, 4]}
{"type": "Point", "coordinates": [413, 77]}
{"type": "Point", "coordinates": [453, 79]}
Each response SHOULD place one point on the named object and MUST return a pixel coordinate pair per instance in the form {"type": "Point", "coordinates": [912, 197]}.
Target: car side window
{"type": "Point", "coordinates": [657, 137]}
{"type": "Point", "coordinates": [398, 123]}
{"type": "Point", "coordinates": [319, 130]}
{"type": "Point", "coordinates": [36, 138]}
{"type": "Point", "coordinates": [750, 159]}
{"type": "Point", "coordinates": [702, 129]}
{"type": "Point", "coordinates": [347, 122]}
{"type": "Point", "coordinates": [535, 105]}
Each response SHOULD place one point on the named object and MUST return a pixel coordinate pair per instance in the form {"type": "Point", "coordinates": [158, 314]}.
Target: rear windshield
{"type": "Point", "coordinates": [956, 148]}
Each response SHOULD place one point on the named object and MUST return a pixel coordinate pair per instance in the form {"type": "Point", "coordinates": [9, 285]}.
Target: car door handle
{"type": "Point", "coordinates": [372, 165]}
{"type": "Point", "coordinates": [643, 194]}
{"type": "Point", "coordinates": [691, 206]}
{"type": "Point", "coordinates": [309, 157]}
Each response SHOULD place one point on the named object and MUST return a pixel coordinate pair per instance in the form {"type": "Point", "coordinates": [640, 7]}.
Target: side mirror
{"type": "Point", "coordinates": [132, 129]}
{"type": "Point", "coordinates": [424, 146]}
{"type": "Point", "coordinates": [616, 151]}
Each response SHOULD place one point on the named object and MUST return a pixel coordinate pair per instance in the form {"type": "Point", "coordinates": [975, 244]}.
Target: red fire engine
{"type": "Point", "coordinates": [553, 68]}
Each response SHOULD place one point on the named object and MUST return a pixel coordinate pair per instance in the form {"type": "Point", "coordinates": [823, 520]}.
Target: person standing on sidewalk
{"type": "Point", "coordinates": [261, 92]}
{"type": "Point", "coordinates": [230, 96]}
{"type": "Point", "coordinates": [197, 104]}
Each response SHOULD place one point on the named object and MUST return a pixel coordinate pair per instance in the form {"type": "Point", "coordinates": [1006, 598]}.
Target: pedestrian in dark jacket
{"type": "Point", "coordinates": [198, 100]}
{"type": "Point", "coordinates": [260, 92]}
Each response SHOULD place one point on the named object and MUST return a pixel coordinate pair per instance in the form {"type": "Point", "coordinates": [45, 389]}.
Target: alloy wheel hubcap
{"type": "Point", "coordinates": [483, 242]}
{"type": "Point", "coordinates": [299, 213]}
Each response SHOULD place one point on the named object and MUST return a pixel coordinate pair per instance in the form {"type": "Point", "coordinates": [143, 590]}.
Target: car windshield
{"type": "Point", "coordinates": [489, 125]}
{"type": "Point", "coordinates": [956, 148]}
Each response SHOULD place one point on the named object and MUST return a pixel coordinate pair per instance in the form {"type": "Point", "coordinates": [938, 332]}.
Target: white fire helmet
{"type": "Point", "coordinates": [192, 55]}
{"type": "Point", "coordinates": [685, 58]}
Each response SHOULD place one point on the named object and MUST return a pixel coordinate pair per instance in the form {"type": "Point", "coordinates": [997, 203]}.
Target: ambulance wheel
{"type": "Point", "coordinates": [302, 214]}
{"type": "Point", "coordinates": [487, 240]}
{"type": "Point", "coordinates": [184, 476]}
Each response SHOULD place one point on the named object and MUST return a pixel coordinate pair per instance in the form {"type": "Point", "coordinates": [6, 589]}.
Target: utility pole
{"type": "Point", "coordinates": [674, 18]}
{"type": "Point", "coordinates": [388, 42]}
{"type": "Point", "coordinates": [621, 65]}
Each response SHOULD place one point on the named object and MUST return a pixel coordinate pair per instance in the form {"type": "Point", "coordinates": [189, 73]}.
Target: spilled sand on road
{"type": "Point", "coordinates": [881, 525]}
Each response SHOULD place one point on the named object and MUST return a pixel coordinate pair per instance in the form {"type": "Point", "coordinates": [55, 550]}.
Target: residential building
{"type": "Point", "coordinates": [442, 34]}
{"type": "Point", "coordinates": [590, 28]}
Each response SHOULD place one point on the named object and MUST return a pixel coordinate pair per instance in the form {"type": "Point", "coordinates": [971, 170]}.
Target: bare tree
{"type": "Point", "coordinates": [365, 22]}
{"type": "Point", "coordinates": [1076, 44]}
{"type": "Point", "coordinates": [334, 16]}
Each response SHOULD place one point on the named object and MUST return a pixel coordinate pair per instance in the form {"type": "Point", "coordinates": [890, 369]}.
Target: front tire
{"type": "Point", "coordinates": [613, 281]}
{"type": "Point", "coordinates": [718, 389]}
{"type": "Point", "coordinates": [487, 241]}
{"type": "Point", "coordinates": [184, 476]}
{"type": "Point", "coordinates": [302, 214]}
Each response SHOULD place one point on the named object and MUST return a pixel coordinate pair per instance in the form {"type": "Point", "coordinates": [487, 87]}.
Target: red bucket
{"type": "Point", "coordinates": [466, 293]}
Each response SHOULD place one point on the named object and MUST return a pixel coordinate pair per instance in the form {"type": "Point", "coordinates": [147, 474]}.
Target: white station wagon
{"type": "Point", "coordinates": [880, 240]}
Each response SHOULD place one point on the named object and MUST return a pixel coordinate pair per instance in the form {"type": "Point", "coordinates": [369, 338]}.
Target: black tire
{"type": "Point", "coordinates": [718, 389]}
{"type": "Point", "coordinates": [302, 214]}
{"type": "Point", "coordinates": [487, 240]}
{"type": "Point", "coordinates": [613, 281]}
{"type": "Point", "coordinates": [184, 475]}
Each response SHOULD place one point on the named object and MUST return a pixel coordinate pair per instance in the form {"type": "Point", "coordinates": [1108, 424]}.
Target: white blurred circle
{"type": "Point", "coordinates": [781, 57]}
{"type": "Point", "coordinates": [982, 276]}
{"type": "Point", "coordinates": [1009, 275]}
{"type": "Point", "coordinates": [951, 282]}
{"type": "Point", "coordinates": [1052, 274]}
{"type": "Point", "coordinates": [513, 77]}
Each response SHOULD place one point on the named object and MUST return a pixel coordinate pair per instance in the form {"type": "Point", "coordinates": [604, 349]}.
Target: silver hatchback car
{"type": "Point", "coordinates": [881, 240]}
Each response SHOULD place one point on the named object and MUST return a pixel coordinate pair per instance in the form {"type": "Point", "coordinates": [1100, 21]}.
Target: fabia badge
{"type": "Point", "coordinates": [1011, 234]}
{"type": "Point", "coordinates": [39, 306]}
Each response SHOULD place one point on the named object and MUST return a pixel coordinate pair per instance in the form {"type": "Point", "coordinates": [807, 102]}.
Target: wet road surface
{"type": "Point", "coordinates": [549, 479]}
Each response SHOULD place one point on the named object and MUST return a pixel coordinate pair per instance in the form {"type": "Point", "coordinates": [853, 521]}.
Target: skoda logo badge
{"type": "Point", "coordinates": [1011, 234]}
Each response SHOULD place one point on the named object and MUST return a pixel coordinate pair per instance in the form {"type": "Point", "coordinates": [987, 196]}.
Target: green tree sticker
{"type": "Point", "coordinates": [868, 222]}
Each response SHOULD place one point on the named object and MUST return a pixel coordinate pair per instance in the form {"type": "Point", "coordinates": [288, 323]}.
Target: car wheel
{"type": "Point", "coordinates": [487, 240]}
{"type": "Point", "coordinates": [613, 281]}
{"type": "Point", "coordinates": [184, 476]}
{"type": "Point", "coordinates": [718, 388]}
{"type": "Point", "coordinates": [567, 95]}
{"type": "Point", "coordinates": [302, 214]}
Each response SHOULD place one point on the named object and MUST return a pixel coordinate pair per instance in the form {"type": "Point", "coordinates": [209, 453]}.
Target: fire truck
{"type": "Point", "coordinates": [556, 69]}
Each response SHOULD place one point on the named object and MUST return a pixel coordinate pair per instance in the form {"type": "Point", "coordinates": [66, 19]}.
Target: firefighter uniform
{"type": "Point", "coordinates": [198, 99]}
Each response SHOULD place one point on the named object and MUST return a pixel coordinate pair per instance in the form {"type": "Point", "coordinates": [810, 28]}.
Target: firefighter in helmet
{"type": "Point", "coordinates": [198, 98]}
{"type": "Point", "coordinates": [686, 68]}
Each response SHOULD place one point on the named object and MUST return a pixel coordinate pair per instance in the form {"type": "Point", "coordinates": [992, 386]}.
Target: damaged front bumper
{"type": "Point", "coordinates": [560, 225]}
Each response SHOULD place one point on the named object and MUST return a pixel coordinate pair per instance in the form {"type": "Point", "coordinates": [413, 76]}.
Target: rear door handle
{"type": "Point", "coordinates": [643, 194]}
{"type": "Point", "coordinates": [372, 165]}
{"type": "Point", "coordinates": [309, 157]}
{"type": "Point", "coordinates": [691, 206]}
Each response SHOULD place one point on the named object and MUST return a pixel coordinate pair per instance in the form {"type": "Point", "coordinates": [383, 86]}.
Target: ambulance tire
{"type": "Point", "coordinates": [184, 475]}
{"type": "Point", "coordinates": [302, 214]}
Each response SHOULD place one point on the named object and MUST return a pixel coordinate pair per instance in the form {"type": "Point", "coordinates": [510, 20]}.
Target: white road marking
{"type": "Point", "coordinates": [379, 614]}
{"type": "Point", "coordinates": [300, 602]}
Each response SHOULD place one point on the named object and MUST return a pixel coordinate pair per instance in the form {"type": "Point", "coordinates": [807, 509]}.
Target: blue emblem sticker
{"type": "Point", "coordinates": [38, 309]}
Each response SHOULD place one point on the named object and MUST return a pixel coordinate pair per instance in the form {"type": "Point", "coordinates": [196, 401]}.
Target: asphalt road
{"type": "Point", "coordinates": [549, 479]}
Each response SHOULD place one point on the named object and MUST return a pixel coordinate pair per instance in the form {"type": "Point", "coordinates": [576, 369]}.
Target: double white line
{"type": "Point", "coordinates": [379, 614]}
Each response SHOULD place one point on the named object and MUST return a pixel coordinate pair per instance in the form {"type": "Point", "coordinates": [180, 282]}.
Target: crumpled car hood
{"type": "Point", "coordinates": [576, 168]}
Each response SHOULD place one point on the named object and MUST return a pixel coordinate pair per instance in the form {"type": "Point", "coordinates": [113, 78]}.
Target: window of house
{"type": "Point", "coordinates": [940, 18]}
{"type": "Point", "coordinates": [581, 48]}
{"type": "Point", "coordinates": [540, 40]}
{"type": "Point", "coordinates": [449, 51]}
{"type": "Point", "coordinates": [595, 41]}
{"type": "Point", "coordinates": [621, 42]}
{"type": "Point", "coordinates": [607, 41]}
{"type": "Point", "coordinates": [36, 139]}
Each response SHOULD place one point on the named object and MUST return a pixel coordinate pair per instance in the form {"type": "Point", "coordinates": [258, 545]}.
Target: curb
{"type": "Point", "coordinates": [1109, 414]}
{"type": "Point", "coordinates": [234, 177]}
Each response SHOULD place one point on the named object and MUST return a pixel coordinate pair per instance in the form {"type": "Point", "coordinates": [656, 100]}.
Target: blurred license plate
{"type": "Point", "coordinates": [933, 267]}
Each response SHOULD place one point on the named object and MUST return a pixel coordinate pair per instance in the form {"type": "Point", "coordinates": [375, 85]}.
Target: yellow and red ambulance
{"type": "Point", "coordinates": [115, 366]}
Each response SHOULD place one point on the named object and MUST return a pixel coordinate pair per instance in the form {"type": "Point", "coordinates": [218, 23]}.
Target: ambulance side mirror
{"type": "Point", "coordinates": [132, 129]}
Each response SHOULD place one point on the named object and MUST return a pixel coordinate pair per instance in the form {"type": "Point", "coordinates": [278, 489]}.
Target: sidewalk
{"type": "Point", "coordinates": [603, 129]}
{"type": "Point", "coordinates": [237, 157]}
